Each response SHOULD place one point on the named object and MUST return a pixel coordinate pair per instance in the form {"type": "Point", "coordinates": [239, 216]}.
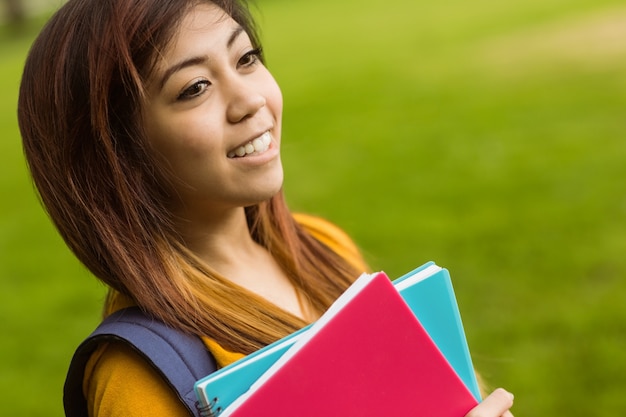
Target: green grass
{"type": "Point", "coordinates": [486, 136]}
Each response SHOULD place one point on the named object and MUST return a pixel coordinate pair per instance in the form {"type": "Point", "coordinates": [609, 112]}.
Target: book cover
{"type": "Point", "coordinates": [429, 293]}
{"type": "Point", "coordinates": [368, 355]}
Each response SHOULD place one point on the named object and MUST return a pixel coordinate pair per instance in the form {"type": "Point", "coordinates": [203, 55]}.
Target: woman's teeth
{"type": "Point", "coordinates": [258, 145]}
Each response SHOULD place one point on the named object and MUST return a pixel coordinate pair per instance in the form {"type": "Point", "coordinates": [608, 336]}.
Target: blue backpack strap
{"type": "Point", "coordinates": [180, 358]}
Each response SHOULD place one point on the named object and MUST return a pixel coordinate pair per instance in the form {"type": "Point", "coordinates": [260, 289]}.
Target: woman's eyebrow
{"type": "Point", "coordinates": [189, 62]}
{"type": "Point", "coordinates": [197, 60]}
{"type": "Point", "coordinates": [233, 36]}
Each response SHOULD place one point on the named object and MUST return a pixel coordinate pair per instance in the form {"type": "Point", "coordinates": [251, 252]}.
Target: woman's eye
{"type": "Point", "coordinates": [194, 90]}
{"type": "Point", "coordinates": [250, 58]}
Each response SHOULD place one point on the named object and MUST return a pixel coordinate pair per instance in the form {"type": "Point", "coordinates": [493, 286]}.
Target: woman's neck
{"type": "Point", "coordinates": [218, 239]}
{"type": "Point", "coordinates": [226, 245]}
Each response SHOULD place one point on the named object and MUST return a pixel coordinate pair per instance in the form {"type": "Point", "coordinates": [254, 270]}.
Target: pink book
{"type": "Point", "coordinates": [366, 356]}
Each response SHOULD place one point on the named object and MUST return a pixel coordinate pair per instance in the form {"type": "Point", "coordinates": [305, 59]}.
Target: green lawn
{"type": "Point", "coordinates": [487, 136]}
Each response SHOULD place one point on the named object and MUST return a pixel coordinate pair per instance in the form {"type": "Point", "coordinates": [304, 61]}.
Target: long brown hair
{"type": "Point", "coordinates": [80, 118]}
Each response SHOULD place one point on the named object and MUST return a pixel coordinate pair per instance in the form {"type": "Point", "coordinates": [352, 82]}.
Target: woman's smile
{"type": "Point", "coordinates": [255, 146]}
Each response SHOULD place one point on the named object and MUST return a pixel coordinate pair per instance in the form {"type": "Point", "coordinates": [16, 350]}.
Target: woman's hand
{"type": "Point", "coordinates": [497, 404]}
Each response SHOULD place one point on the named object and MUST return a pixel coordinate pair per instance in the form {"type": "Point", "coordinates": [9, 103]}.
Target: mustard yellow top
{"type": "Point", "coordinates": [119, 383]}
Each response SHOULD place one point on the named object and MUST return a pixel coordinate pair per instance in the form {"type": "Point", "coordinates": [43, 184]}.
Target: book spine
{"type": "Point", "coordinates": [208, 410]}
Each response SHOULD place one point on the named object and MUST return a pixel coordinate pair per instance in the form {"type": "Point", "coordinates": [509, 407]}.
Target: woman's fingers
{"type": "Point", "coordinates": [497, 404]}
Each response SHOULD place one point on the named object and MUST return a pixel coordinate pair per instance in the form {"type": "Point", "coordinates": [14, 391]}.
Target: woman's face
{"type": "Point", "coordinates": [213, 115]}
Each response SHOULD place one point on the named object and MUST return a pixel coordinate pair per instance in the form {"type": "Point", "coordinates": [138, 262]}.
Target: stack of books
{"type": "Point", "coordinates": [382, 349]}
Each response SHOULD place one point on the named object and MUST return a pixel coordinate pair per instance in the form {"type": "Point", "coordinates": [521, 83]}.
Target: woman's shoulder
{"type": "Point", "coordinates": [120, 383]}
{"type": "Point", "coordinates": [332, 236]}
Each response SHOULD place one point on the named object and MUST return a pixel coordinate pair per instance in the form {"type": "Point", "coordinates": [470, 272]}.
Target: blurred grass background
{"type": "Point", "coordinates": [487, 136]}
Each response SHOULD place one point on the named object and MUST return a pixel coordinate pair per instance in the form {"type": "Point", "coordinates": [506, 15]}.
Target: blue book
{"type": "Point", "coordinates": [428, 292]}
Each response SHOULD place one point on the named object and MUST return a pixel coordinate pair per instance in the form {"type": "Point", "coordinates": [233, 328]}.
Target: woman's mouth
{"type": "Point", "coordinates": [255, 146]}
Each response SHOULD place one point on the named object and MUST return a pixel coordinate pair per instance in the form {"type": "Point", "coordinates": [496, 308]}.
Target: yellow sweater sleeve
{"type": "Point", "coordinates": [120, 383]}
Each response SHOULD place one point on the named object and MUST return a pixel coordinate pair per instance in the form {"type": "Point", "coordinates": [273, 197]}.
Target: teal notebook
{"type": "Point", "coordinates": [428, 292]}
{"type": "Point", "coordinates": [432, 299]}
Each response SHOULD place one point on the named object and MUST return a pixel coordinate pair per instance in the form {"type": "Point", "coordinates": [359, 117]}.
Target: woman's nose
{"type": "Point", "coordinates": [244, 100]}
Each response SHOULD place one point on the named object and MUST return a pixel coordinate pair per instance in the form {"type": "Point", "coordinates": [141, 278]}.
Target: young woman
{"type": "Point", "coordinates": [152, 130]}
